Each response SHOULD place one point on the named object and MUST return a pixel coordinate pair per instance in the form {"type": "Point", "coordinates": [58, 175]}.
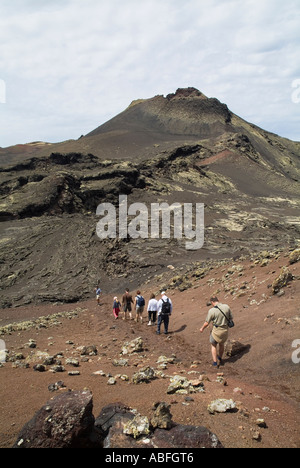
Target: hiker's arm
{"type": "Point", "coordinates": [205, 325]}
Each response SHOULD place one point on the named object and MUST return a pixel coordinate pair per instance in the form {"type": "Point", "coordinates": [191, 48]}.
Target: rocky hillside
{"type": "Point", "coordinates": [183, 148]}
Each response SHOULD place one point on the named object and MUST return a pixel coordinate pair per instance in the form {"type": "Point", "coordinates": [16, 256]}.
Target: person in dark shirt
{"type": "Point", "coordinates": [127, 302]}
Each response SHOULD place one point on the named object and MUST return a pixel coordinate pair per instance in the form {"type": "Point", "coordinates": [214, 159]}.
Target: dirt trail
{"type": "Point", "coordinates": [263, 381]}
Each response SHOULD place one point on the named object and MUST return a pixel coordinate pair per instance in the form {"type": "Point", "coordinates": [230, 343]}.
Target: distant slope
{"type": "Point", "coordinates": [183, 148]}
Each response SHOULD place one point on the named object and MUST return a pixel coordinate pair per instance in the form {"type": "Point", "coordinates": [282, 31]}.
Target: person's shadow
{"type": "Point", "coordinates": [183, 327]}
{"type": "Point", "coordinates": [237, 356]}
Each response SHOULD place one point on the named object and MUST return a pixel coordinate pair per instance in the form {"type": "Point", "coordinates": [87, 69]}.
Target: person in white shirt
{"type": "Point", "coordinates": [152, 310]}
{"type": "Point", "coordinates": [165, 309]}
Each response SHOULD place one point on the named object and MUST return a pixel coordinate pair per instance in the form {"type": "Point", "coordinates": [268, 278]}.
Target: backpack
{"type": "Point", "coordinates": [140, 301]}
{"type": "Point", "coordinates": [166, 307]}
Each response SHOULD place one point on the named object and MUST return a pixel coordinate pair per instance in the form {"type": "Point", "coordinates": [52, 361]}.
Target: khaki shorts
{"type": "Point", "coordinates": [218, 336]}
{"type": "Point", "coordinates": [212, 340]}
{"type": "Point", "coordinates": [140, 309]}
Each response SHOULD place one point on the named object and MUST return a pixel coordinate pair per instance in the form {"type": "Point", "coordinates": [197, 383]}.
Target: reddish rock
{"type": "Point", "coordinates": [182, 436]}
{"type": "Point", "coordinates": [64, 422]}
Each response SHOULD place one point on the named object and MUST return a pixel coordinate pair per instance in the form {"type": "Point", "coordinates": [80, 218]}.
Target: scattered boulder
{"type": "Point", "coordinates": [37, 357]}
{"type": "Point", "coordinates": [111, 422]}
{"type": "Point", "coordinates": [146, 374]}
{"type": "Point", "coordinates": [294, 256]}
{"type": "Point", "coordinates": [282, 280]}
{"type": "Point", "coordinates": [49, 361]}
{"type": "Point", "coordinates": [39, 368]}
{"type": "Point", "coordinates": [72, 362]}
{"type": "Point", "coordinates": [162, 417]}
{"type": "Point", "coordinates": [164, 360]}
{"type": "Point", "coordinates": [182, 386]}
{"type": "Point", "coordinates": [138, 427]}
{"type": "Point", "coordinates": [67, 422]}
{"type": "Point", "coordinates": [134, 346]}
{"type": "Point", "coordinates": [111, 381]}
{"type": "Point", "coordinates": [120, 362]}
{"type": "Point", "coordinates": [57, 368]}
{"type": "Point", "coordinates": [89, 350]}
{"type": "Point", "coordinates": [125, 428]}
{"type": "Point", "coordinates": [181, 436]}
{"type": "Point", "coordinates": [64, 422]}
{"type": "Point", "coordinates": [261, 423]}
{"type": "Point", "coordinates": [221, 406]}
{"type": "Point", "coordinates": [56, 386]}
{"type": "Point", "coordinates": [112, 414]}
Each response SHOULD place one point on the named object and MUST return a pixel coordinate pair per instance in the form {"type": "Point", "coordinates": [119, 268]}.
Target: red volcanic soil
{"type": "Point", "coordinates": [264, 381]}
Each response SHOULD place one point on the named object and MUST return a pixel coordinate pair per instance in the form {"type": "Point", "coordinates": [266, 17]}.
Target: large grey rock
{"type": "Point", "coordinates": [123, 427]}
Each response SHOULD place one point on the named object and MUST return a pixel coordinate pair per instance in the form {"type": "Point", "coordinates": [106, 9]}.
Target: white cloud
{"type": "Point", "coordinates": [70, 65]}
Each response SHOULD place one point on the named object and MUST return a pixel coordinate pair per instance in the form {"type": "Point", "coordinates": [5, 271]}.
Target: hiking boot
{"type": "Point", "coordinates": [221, 362]}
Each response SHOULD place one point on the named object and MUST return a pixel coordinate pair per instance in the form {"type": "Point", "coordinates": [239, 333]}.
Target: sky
{"type": "Point", "coordinates": [68, 66]}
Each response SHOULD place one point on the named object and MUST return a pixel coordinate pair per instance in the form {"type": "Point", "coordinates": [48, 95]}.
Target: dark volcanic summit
{"type": "Point", "coordinates": [183, 148]}
{"type": "Point", "coordinates": [185, 113]}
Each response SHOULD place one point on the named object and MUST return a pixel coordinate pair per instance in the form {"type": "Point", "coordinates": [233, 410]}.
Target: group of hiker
{"type": "Point", "coordinates": [159, 312]}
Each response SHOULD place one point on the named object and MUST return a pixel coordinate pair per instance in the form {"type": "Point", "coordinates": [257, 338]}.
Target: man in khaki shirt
{"type": "Point", "coordinates": [219, 334]}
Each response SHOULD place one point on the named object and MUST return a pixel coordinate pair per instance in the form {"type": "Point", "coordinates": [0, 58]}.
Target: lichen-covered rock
{"type": "Point", "coordinates": [72, 362]}
{"type": "Point", "coordinates": [146, 374]}
{"type": "Point", "coordinates": [221, 406]}
{"type": "Point", "coordinates": [294, 256]}
{"type": "Point", "coordinates": [111, 381]}
{"type": "Point", "coordinates": [134, 346]}
{"type": "Point", "coordinates": [139, 426]}
{"type": "Point", "coordinates": [162, 417]}
{"type": "Point", "coordinates": [90, 350]}
{"type": "Point", "coordinates": [165, 360]}
{"type": "Point", "coordinates": [181, 385]}
{"type": "Point", "coordinates": [283, 280]}
{"type": "Point", "coordinates": [120, 362]}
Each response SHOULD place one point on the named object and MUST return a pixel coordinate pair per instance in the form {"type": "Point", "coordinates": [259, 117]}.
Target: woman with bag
{"type": "Point", "coordinates": [116, 307]}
